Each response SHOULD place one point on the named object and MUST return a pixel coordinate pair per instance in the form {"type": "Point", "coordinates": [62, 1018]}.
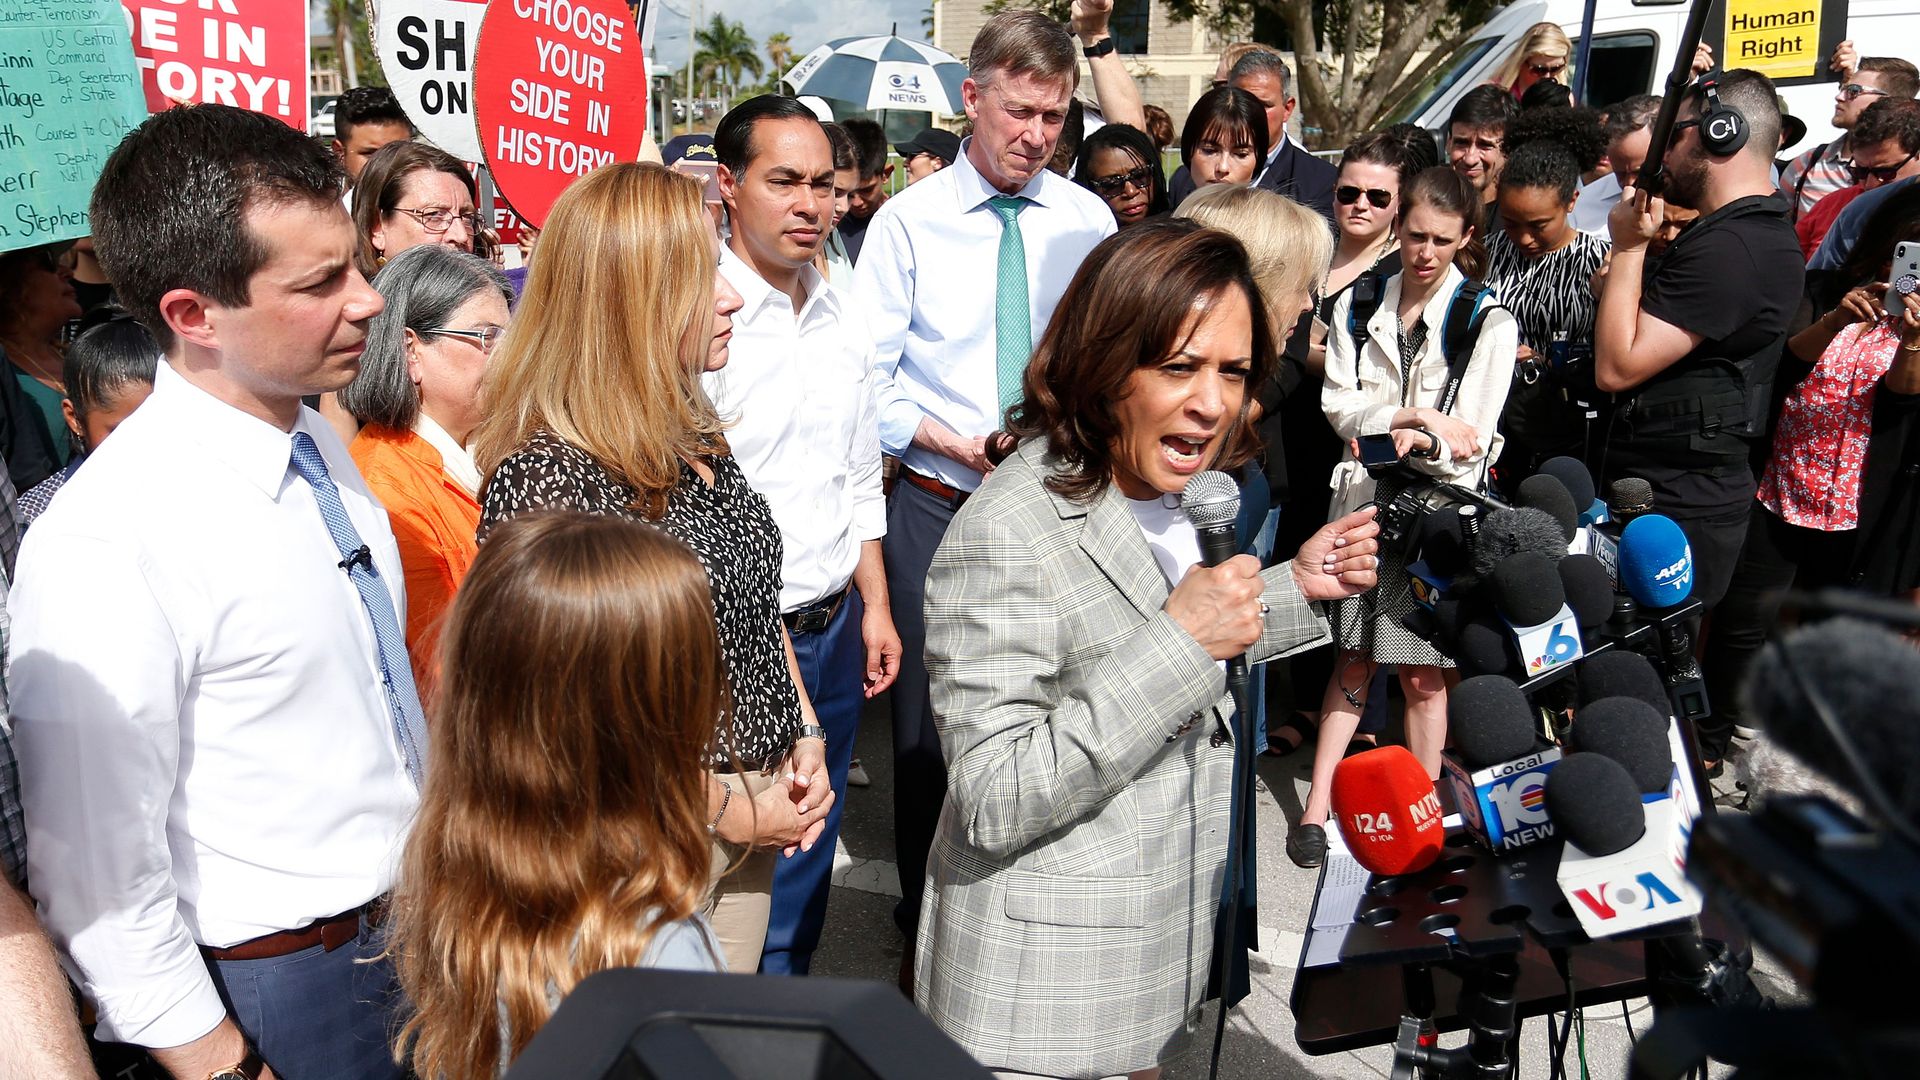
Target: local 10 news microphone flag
{"type": "Point", "coordinates": [1499, 765]}
{"type": "Point", "coordinates": [559, 89]}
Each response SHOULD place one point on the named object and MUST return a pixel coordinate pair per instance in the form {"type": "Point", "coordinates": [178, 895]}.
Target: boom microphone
{"type": "Point", "coordinates": [1212, 504]}
{"type": "Point", "coordinates": [1388, 810]}
{"type": "Point", "coordinates": [1508, 532]}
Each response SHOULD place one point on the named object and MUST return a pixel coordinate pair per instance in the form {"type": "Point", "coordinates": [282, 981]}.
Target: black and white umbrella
{"type": "Point", "coordinates": [883, 72]}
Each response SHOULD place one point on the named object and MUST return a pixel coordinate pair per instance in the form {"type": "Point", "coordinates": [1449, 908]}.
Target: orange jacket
{"type": "Point", "coordinates": [433, 521]}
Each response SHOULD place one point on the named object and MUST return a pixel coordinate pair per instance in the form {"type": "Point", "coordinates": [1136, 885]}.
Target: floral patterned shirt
{"type": "Point", "coordinates": [1820, 448]}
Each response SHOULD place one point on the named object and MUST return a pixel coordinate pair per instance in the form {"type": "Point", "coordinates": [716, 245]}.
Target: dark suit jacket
{"type": "Point", "coordinates": [1294, 173]}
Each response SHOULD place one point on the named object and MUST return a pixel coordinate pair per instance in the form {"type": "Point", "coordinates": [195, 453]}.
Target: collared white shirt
{"type": "Point", "coordinates": [1596, 201]}
{"type": "Point", "coordinates": [798, 390]}
{"type": "Point", "coordinates": [198, 709]}
{"type": "Point", "coordinates": [925, 281]}
{"type": "Point", "coordinates": [455, 461]}
{"type": "Point", "coordinates": [1273, 155]}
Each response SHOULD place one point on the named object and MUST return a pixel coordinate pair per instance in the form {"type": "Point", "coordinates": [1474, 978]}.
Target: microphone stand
{"type": "Point", "coordinates": [1240, 803]}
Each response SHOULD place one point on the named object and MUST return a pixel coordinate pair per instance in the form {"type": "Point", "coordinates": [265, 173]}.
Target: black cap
{"type": "Point", "coordinates": [944, 145]}
{"type": "Point", "coordinates": [688, 148]}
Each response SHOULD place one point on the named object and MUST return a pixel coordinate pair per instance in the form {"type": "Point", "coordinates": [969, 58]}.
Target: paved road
{"type": "Point", "coordinates": [861, 940]}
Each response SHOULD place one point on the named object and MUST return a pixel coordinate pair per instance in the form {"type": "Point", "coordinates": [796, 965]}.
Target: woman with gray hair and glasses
{"type": "Point", "coordinates": [417, 399]}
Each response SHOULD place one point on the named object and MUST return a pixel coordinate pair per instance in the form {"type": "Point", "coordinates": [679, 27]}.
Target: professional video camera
{"type": "Point", "coordinates": [1832, 894]}
{"type": "Point", "coordinates": [1412, 495]}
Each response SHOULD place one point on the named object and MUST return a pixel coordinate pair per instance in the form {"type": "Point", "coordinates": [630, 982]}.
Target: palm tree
{"type": "Point", "coordinates": [780, 53]}
{"type": "Point", "coordinates": [346, 17]}
{"type": "Point", "coordinates": [726, 52]}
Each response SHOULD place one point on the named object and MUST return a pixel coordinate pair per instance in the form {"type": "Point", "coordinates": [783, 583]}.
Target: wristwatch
{"type": "Point", "coordinates": [1099, 49]}
{"type": "Point", "coordinates": [811, 731]}
{"type": "Point", "coordinates": [249, 1068]}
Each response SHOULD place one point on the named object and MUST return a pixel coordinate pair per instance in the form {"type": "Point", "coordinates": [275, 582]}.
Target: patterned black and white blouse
{"type": "Point", "coordinates": [729, 527]}
{"type": "Point", "coordinates": [1553, 292]}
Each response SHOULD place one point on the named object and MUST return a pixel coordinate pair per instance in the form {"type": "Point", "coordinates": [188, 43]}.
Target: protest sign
{"type": "Point", "coordinates": [248, 53]}
{"type": "Point", "coordinates": [68, 91]}
{"type": "Point", "coordinates": [426, 48]}
{"type": "Point", "coordinates": [559, 89]}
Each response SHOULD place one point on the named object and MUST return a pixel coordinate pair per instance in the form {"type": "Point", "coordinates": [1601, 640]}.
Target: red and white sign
{"type": "Point", "coordinates": [248, 53]}
{"type": "Point", "coordinates": [559, 89]}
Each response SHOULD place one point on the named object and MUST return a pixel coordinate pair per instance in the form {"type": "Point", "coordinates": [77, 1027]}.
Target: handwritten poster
{"type": "Point", "coordinates": [248, 53]}
{"type": "Point", "coordinates": [68, 91]}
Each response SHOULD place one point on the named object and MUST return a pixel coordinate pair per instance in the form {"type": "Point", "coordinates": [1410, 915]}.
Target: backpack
{"type": "Point", "coordinates": [1466, 313]}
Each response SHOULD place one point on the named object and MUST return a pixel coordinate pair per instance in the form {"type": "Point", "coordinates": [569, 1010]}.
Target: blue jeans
{"type": "Point", "coordinates": [833, 666]}
{"type": "Point", "coordinates": [318, 1015]}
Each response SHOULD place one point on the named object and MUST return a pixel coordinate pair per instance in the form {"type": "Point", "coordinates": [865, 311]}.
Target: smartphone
{"type": "Point", "coordinates": [1905, 278]}
{"type": "Point", "coordinates": [1377, 450]}
{"type": "Point", "coordinates": [707, 172]}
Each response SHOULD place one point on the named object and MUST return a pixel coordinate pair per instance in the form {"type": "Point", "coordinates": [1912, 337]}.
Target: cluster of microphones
{"type": "Point", "coordinates": [1559, 732]}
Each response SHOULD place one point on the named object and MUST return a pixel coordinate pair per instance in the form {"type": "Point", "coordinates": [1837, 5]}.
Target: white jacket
{"type": "Point", "coordinates": [1362, 392]}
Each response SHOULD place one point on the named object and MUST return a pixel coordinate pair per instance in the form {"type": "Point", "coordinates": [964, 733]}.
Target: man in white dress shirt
{"type": "Point", "coordinates": [799, 393]}
{"type": "Point", "coordinates": [952, 334]}
{"type": "Point", "coordinates": [1628, 135]}
{"type": "Point", "coordinates": [219, 738]}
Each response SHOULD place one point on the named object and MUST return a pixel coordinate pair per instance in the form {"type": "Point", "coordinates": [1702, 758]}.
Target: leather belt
{"type": "Point", "coordinates": [816, 616]}
{"type": "Point", "coordinates": [953, 496]}
{"type": "Point", "coordinates": [330, 933]}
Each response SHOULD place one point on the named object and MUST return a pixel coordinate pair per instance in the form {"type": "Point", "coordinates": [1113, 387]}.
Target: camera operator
{"type": "Point", "coordinates": [1388, 375]}
{"type": "Point", "coordinates": [1689, 341]}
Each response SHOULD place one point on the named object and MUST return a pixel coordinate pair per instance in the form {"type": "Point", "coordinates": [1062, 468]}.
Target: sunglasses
{"type": "Point", "coordinates": [1113, 185]}
{"type": "Point", "coordinates": [1348, 195]}
{"type": "Point", "coordinates": [1678, 127]}
{"type": "Point", "coordinates": [1884, 173]}
{"type": "Point", "coordinates": [1854, 90]}
{"type": "Point", "coordinates": [1548, 71]}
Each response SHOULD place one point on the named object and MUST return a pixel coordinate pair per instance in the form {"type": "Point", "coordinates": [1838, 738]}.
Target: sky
{"type": "Point", "coordinates": [809, 23]}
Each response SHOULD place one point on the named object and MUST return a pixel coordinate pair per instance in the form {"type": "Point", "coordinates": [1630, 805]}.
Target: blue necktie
{"type": "Point", "coordinates": [396, 674]}
{"type": "Point", "coordinates": [1012, 314]}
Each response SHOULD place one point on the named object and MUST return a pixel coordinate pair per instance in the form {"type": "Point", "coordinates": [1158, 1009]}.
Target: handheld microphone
{"type": "Point", "coordinates": [1212, 504]}
{"type": "Point", "coordinates": [1656, 569]}
{"type": "Point", "coordinates": [1627, 498]}
{"type": "Point", "coordinates": [1571, 472]}
{"type": "Point", "coordinates": [1589, 591]}
{"type": "Point", "coordinates": [1631, 733]}
{"type": "Point", "coordinates": [1497, 773]}
{"type": "Point", "coordinates": [1388, 810]}
{"type": "Point", "coordinates": [1546, 493]}
{"type": "Point", "coordinates": [1622, 673]}
{"type": "Point", "coordinates": [1483, 645]}
{"type": "Point", "coordinates": [1624, 864]}
{"type": "Point", "coordinates": [1529, 596]}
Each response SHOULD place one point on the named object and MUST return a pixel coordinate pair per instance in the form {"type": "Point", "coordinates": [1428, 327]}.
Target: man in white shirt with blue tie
{"type": "Point", "coordinates": [798, 393]}
{"type": "Point", "coordinates": [958, 279]}
{"type": "Point", "coordinates": [218, 732]}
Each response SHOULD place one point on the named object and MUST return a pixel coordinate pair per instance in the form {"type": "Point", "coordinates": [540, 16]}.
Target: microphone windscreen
{"type": "Point", "coordinates": [1629, 496]}
{"type": "Point", "coordinates": [1490, 721]}
{"type": "Point", "coordinates": [1593, 802]}
{"type": "Point", "coordinates": [1527, 589]}
{"type": "Point", "coordinates": [1211, 499]}
{"type": "Point", "coordinates": [1484, 646]}
{"type": "Point", "coordinates": [1522, 528]}
{"type": "Point", "coordinates": [1630, 732]}
{"type": "Point", "coordinates": [1442, 542]}
{"type": "Point", "coordinates": [1866, 676]}
{"type": "Point", "coordinates": [1656, 562]}
{"type": "Point", "coordinates": [1589, 590]}
{"type": "Point", "coordinates": [1545, 493]}
{"type": "Point", "coordinates": [1573, 475]}
{"type": "Point", "coordinates": [1388, 811]}
{"type": "Point", "coordinates": [1623, 673]}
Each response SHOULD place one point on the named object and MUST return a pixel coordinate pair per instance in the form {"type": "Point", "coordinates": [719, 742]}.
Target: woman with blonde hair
{"type": "Point", "coordinates": [594, 404]}
{"type": "Point", "coordinates": [1543, 53]}
{"type": "Point", "coordinates": [562, 829]}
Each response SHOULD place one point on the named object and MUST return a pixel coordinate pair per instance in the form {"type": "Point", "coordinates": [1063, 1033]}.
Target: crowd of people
{"type": "Point", "coordinates": [395, 641]}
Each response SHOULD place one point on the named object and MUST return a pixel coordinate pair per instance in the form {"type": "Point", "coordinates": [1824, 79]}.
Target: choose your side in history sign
{"type": "Point", "coordinates": [559, 89]}
{"type": "Point", "coordinates": [68, 91]}
{"type": "Point", "coordinates": [248, 53]}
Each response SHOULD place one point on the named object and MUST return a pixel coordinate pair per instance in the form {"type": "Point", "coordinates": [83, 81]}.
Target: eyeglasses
{"type": "Point", "coordinates": [438, 219]}
{"type": "Point", "coordinates": [1348, 195]}
{"type": "Point", "coordinates": [1883, 173]}
{"type": "Point", "coordinates": [1141, 177]}
{"type": "Point", "coordinates": [486, 336]}
{"type": "Point", "coordinates": [1678, 127]}
{"type": "Point", "coordinates": [55, 257]}
{"type": "Point", "coordinates": [1854, 90]}
{"type": "Point", "coordinates": [1548, 71]}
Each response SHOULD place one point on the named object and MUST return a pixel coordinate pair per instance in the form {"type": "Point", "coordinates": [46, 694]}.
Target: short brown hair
{"type": "Point", "coordinates": [1895, 118]}
{"type": "Point", "coordinates": [1127, 308]}
{"type": "Point", "coordinates": [377, 191]}
{"type": "Point", "coordinates": [1899, 78]}
{"type": "Point", "coordinates": [1023, 43]}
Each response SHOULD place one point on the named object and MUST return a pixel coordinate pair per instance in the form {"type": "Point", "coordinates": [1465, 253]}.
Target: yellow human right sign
{"type": "Point", "coordinates": [1778, 38]}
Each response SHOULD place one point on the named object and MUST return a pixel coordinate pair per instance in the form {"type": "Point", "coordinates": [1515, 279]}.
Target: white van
{"type": "Point", "coordinates": [1633, 48]}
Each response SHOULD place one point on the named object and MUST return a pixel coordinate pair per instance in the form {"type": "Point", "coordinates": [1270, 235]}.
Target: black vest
{"type": "Point", "coordinates": [1703, 411]}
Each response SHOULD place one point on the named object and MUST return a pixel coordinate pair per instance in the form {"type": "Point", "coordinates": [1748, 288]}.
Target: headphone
{"type": "Point", "coordinates": [1723, 128]}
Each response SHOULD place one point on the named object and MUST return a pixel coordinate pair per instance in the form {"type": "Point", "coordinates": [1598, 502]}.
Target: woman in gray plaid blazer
{"type": "Point", "coordinates": [1079, 859]}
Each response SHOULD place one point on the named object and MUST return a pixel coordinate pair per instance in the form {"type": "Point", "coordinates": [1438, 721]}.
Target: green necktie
{"type": "Point", "coordinates": [1012, 316]}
